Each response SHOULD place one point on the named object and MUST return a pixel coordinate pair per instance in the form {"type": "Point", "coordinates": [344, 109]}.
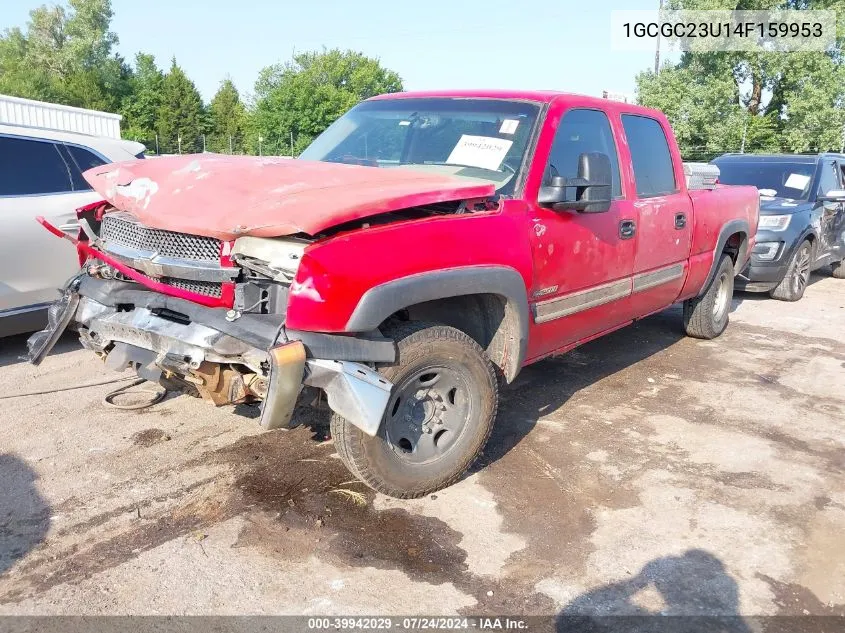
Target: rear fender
{"type": "Point", "coordinates": [730, 228]}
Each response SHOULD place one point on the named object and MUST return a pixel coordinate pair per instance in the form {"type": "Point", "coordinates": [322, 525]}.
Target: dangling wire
{"type": "Point", "coordinates": [157, 396]}
{"type": "Point", "coordinates": [45, 392]}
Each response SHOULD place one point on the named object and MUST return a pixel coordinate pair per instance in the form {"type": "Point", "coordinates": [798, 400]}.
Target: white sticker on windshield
{"type": "Point", "coordinates": [479, 151]}
{"type": "Point", "coordinates": [509, 126]}
{"type": "Point", "coordinates": [797, 181]}
{"type": "Point", "coordinates": [404, 123]}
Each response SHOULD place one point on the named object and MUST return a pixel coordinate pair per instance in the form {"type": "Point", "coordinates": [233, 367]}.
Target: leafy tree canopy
{"type": "Point", "coordinates": [227, 119]}
{"type": "Point", "coordinates": [181, 114]}
{"type": "Point", "coordinates": [65, 55]}
{"type": "Point", "coordinates": [303, 97]}
{"type": "Point", "coordinates": [791, 102]}
{"type": "Point", "coordinates": [140, 107]}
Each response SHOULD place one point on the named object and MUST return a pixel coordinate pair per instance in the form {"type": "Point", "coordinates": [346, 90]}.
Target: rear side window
{"type": "Point", "coordinates": [653, 169]}
{"type": "Point", "coordinates": [30, 167]}
{"type": "Point", "coordinates": [82, 160]}
{"type": "Point", "coordinates": [581, 131]}
{"type": "Point", "coordinates": [829, 179]}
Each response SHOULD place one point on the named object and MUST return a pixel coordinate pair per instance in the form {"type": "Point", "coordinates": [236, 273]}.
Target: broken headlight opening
{"type": "Point", "coordinates": [59, 315]}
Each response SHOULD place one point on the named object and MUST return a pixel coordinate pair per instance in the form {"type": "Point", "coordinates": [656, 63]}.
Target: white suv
{"type": "Point", "coordinates": [41, 174]}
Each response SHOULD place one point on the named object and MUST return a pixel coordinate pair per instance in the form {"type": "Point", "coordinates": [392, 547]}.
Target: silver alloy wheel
{"type": "Point", "coordinates": [801, 273]}
{"type": "Point", "coordinates": [723, 297]}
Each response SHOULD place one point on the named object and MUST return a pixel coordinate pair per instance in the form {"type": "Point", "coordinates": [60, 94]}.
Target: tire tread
{"type": "Point", "coordinates": [783, 291]}
{"type": "Point", "coordinates": [349, 439]}
{"type": "Point", "coordinates": [698, 311]}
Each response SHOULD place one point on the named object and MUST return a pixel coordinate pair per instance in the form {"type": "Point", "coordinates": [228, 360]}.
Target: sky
{"type": "Point", "coordinates": [433, 44]}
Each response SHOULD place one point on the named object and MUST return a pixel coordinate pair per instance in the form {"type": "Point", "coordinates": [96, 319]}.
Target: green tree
{"type": "Point", "coordinates": [227, 119]}
{"type": "Point", "coordinates": [705, 112]}
{"type": "Point", "coordinates": [181, 113]}
{"type": "Point", "coordinates": [759, 101]}
{"type": "Point", "coordinates": [814, 104]}
{"type": "Point", "coordinates": [65, 56]}
{"type": "Point", "coordinates": [302, 98]}
{"type": "Point", "coordinates": [140, 108]}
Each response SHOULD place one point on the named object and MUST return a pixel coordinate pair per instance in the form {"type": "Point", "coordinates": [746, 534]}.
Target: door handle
{"type": "Point", "coordinates": [680, 220]}
{"type": "Point", "coordinates": [627, 229]}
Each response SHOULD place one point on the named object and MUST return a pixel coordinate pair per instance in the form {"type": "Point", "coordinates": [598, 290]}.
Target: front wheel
{"type": "Point", "coordinates": [707, 316]}
{"type": "Point", "coordinates": [794, 283]}
{"type": "Point", "coordinates": [437, 421]}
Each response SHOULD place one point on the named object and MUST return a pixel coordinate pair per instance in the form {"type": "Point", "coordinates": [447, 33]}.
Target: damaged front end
{"type": "Point", "coordinates": [207, 315]}
{"type": "Point", "coordinates": [189, 263]}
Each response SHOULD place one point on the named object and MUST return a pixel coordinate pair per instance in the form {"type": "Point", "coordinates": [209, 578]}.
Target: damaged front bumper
{"type": "Point", "coordinates": [164, 338]}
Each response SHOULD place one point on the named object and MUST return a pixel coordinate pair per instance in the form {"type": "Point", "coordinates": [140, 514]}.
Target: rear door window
{"type": "Point", "coordinates": [32, 167]}
{"type": "Point", "coordinates": [82, 159]}
{"type": "Point", "coordinates": [650, 155]}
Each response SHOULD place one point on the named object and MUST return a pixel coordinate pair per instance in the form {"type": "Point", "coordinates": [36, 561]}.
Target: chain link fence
{"type": "Point", "coordinates": [243, 144]}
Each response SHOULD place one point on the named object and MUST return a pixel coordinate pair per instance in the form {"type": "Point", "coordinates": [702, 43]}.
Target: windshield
{"type": "Point", "coordinates": [774, 179]}
{"type": "Point", "coordinates": [485, 139]}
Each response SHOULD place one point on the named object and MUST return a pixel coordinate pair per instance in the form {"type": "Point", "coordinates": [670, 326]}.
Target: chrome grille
{"type": "Point", "coordinates": [125, 230]}
{"type": "Point", "coordinates": [207, 288]}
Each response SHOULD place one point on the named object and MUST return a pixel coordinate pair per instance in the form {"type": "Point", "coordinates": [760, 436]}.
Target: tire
{"type": "Point", "coordinates": [837, 269]}
{"type": "Point", "coordinates": [794, 283]}
{"type": "Point", "coordinates": [438, 418]}
{"type": "Point", "coordinates": [707, 316]}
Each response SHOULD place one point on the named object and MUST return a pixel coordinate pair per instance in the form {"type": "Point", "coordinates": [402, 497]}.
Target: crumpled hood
{"type": "Point", "coordinates": [229, 196]}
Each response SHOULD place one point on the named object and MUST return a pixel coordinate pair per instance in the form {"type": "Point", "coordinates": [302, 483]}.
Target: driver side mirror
{"type": "Point", "coordinates": [593, 187]}
{"type": "Point", "coordinates": [834, 195]}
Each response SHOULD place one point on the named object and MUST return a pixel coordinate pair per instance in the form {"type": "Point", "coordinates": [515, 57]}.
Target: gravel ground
{"type": "Point", "coordinates": [645, 472]}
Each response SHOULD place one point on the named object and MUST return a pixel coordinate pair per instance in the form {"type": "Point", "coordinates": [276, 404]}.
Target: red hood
{"type": "Point", "coordinates": [229, 196]}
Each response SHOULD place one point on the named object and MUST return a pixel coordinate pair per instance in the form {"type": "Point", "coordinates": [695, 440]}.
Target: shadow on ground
{"type": "Point", "coordinates": [694, 585]}
{"type": "Point", "coordinates": [743, 295]}
{"type": "Point", "coordinates": [13, 347]}
{"type": "Point", "coordinates": [24, 514]}
{"type": "Point", "coordinates": [544, 387]}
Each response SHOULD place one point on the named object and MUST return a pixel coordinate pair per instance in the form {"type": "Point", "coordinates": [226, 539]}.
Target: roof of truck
{"type": "Point", "coordinates": [540, 96]}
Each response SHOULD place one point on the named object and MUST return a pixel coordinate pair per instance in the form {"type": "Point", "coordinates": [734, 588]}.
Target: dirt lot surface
{"type": "Point", "coordinates": [645, 472]}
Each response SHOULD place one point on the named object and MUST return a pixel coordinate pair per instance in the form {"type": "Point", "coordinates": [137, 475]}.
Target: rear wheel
{"type": "Point", "coordinates": [706, 316]}
{"type": "Point", "coordinates": [438, 419]}
{"type": "Point", "coordinates": [838, 269]}
{"type": "Point", "coordinates": [793, 284]}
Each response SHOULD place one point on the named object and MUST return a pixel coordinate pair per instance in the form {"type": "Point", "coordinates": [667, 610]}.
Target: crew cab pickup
{"type": "Point", "coordinates": [421, 251]}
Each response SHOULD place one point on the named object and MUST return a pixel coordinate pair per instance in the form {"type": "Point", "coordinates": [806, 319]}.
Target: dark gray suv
{"type": "Point", "coordinates": [802, 218]}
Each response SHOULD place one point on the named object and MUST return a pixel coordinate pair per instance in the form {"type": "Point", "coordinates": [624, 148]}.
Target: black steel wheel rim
{"type": "Point", "coordinates": [427, 413]}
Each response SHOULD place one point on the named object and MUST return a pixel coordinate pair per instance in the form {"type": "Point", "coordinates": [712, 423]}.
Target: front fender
{"type": "Point", "coordinates": [380, 302]}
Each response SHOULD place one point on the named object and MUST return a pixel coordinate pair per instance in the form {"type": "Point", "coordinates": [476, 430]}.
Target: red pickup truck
{"type": "Point", "coordinates": [420, 252]}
